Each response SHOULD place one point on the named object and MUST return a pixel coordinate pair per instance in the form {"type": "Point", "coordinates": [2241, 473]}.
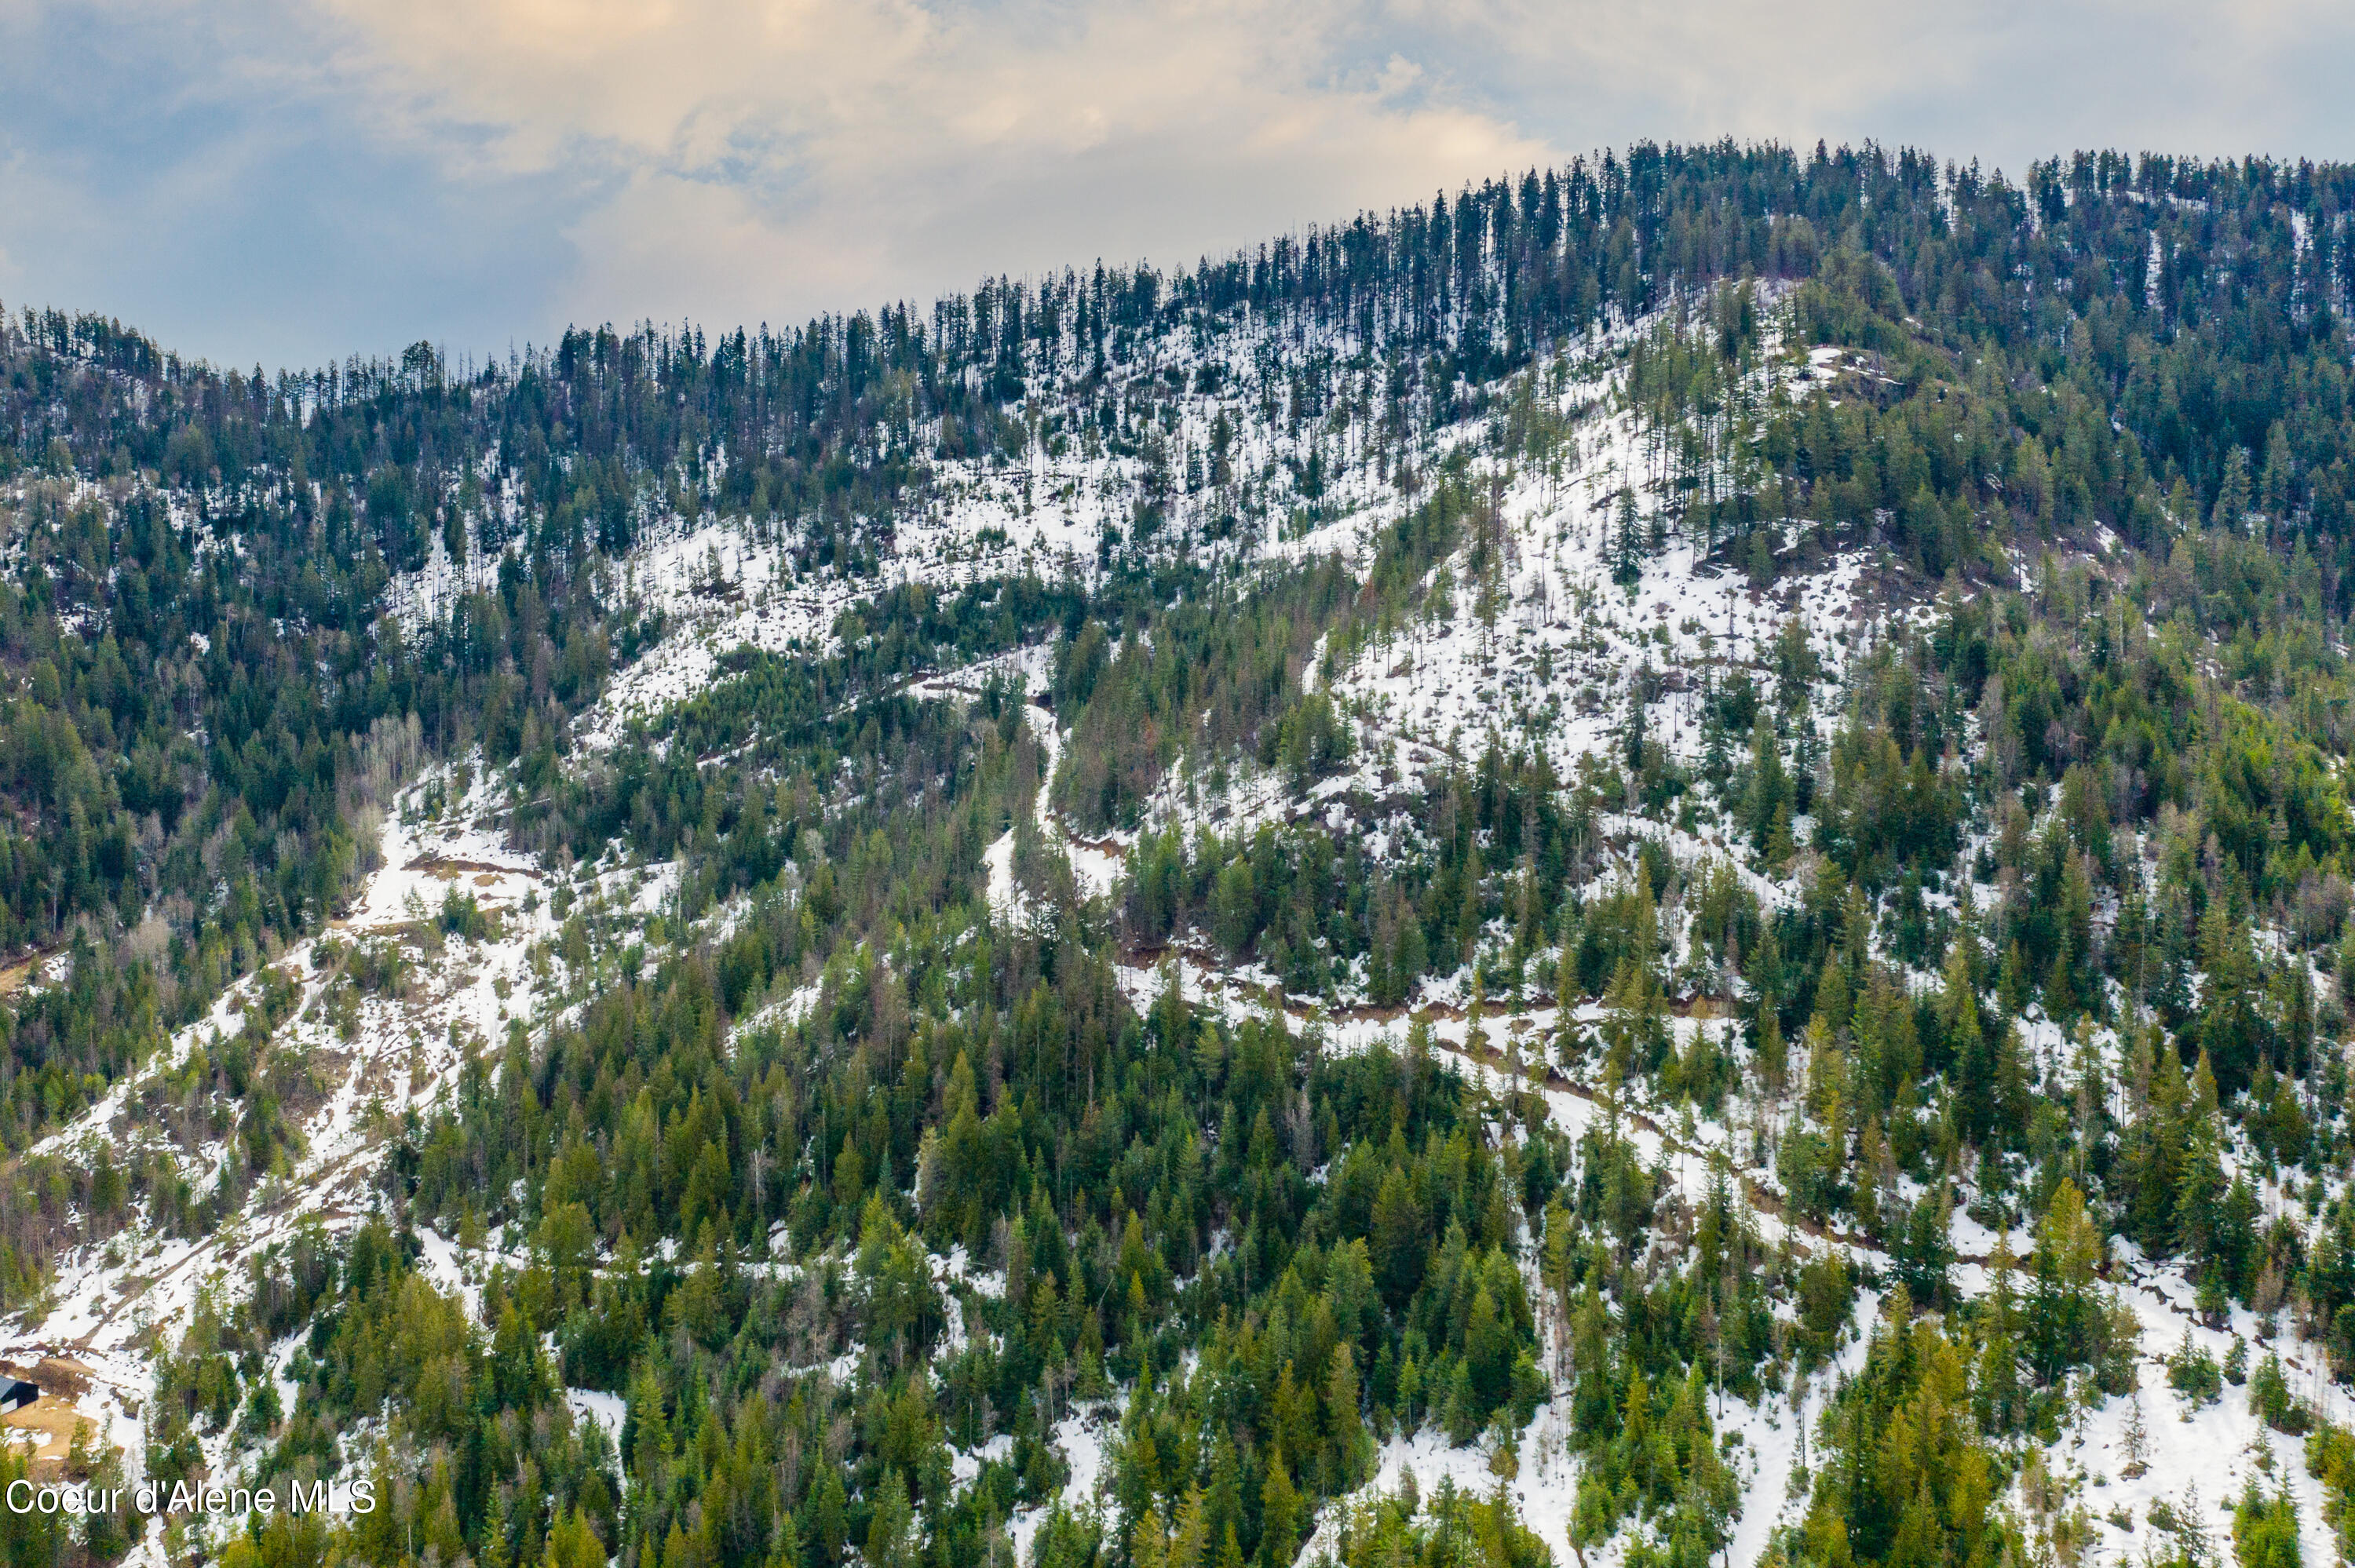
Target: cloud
{"type": "Point", "coordinates": [829, 155]}
{"type": "Point", "coordinates": [217, 181]}
{"type": "Point", "coordinates": [251, 177]}
{"type": "Point", "coordinates": [2003, 81]}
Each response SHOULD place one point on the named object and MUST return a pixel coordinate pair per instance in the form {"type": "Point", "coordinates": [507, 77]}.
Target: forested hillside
{"type": "Point", "coordinates": [1649, 867]}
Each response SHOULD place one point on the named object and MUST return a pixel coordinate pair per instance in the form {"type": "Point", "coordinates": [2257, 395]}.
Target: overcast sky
{"type": "Point", "coordinates": [251, 180]}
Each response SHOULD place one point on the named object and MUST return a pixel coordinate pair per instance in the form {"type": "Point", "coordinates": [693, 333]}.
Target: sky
{"type": "Point", "coordinates": [257, 182]}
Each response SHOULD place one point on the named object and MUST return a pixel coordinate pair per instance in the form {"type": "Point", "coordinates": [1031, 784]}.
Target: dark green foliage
{"type": "Point", "coordinates": [725, 1183]}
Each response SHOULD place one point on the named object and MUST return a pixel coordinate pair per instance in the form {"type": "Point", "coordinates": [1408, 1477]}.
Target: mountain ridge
{"type": "Point", "coordinates": [1154, 909]}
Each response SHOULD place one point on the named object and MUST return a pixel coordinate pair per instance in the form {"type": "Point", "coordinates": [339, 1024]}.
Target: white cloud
{"type": "Point", "coordinates": [798, 156]}
{"type": "Point", "coordinates": [251, 175]}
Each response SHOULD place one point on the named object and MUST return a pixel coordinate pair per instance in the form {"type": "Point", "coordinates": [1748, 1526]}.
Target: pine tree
{"type": "Point", "coordinates": [2133, 1440]}
{"type": "Point", "coordinates": [1767, 803]}
{"type": "Point", "coordinates": [2274, 479]}
{"type": "Point", "coordinates": [1346, 1439]}
{"type": "Point", "coordinates": [2232, 495]}
{"type": "Point", "coordinates": [1627, 542]}
{"type": "Point", "coordinates": [890, 1541]}
{"type": "Point", "coordinates": [1279, 1513]}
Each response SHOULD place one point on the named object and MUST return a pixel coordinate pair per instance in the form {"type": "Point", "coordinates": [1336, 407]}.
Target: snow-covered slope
{"type": "Point", "coordinates": [367, 1062]}
{"type": "Point", "coordinates": [1540, 637]}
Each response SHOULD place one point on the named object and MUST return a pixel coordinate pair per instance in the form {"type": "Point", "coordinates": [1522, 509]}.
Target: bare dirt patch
{"type": "Point", "coordinates": [50, 1421]}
